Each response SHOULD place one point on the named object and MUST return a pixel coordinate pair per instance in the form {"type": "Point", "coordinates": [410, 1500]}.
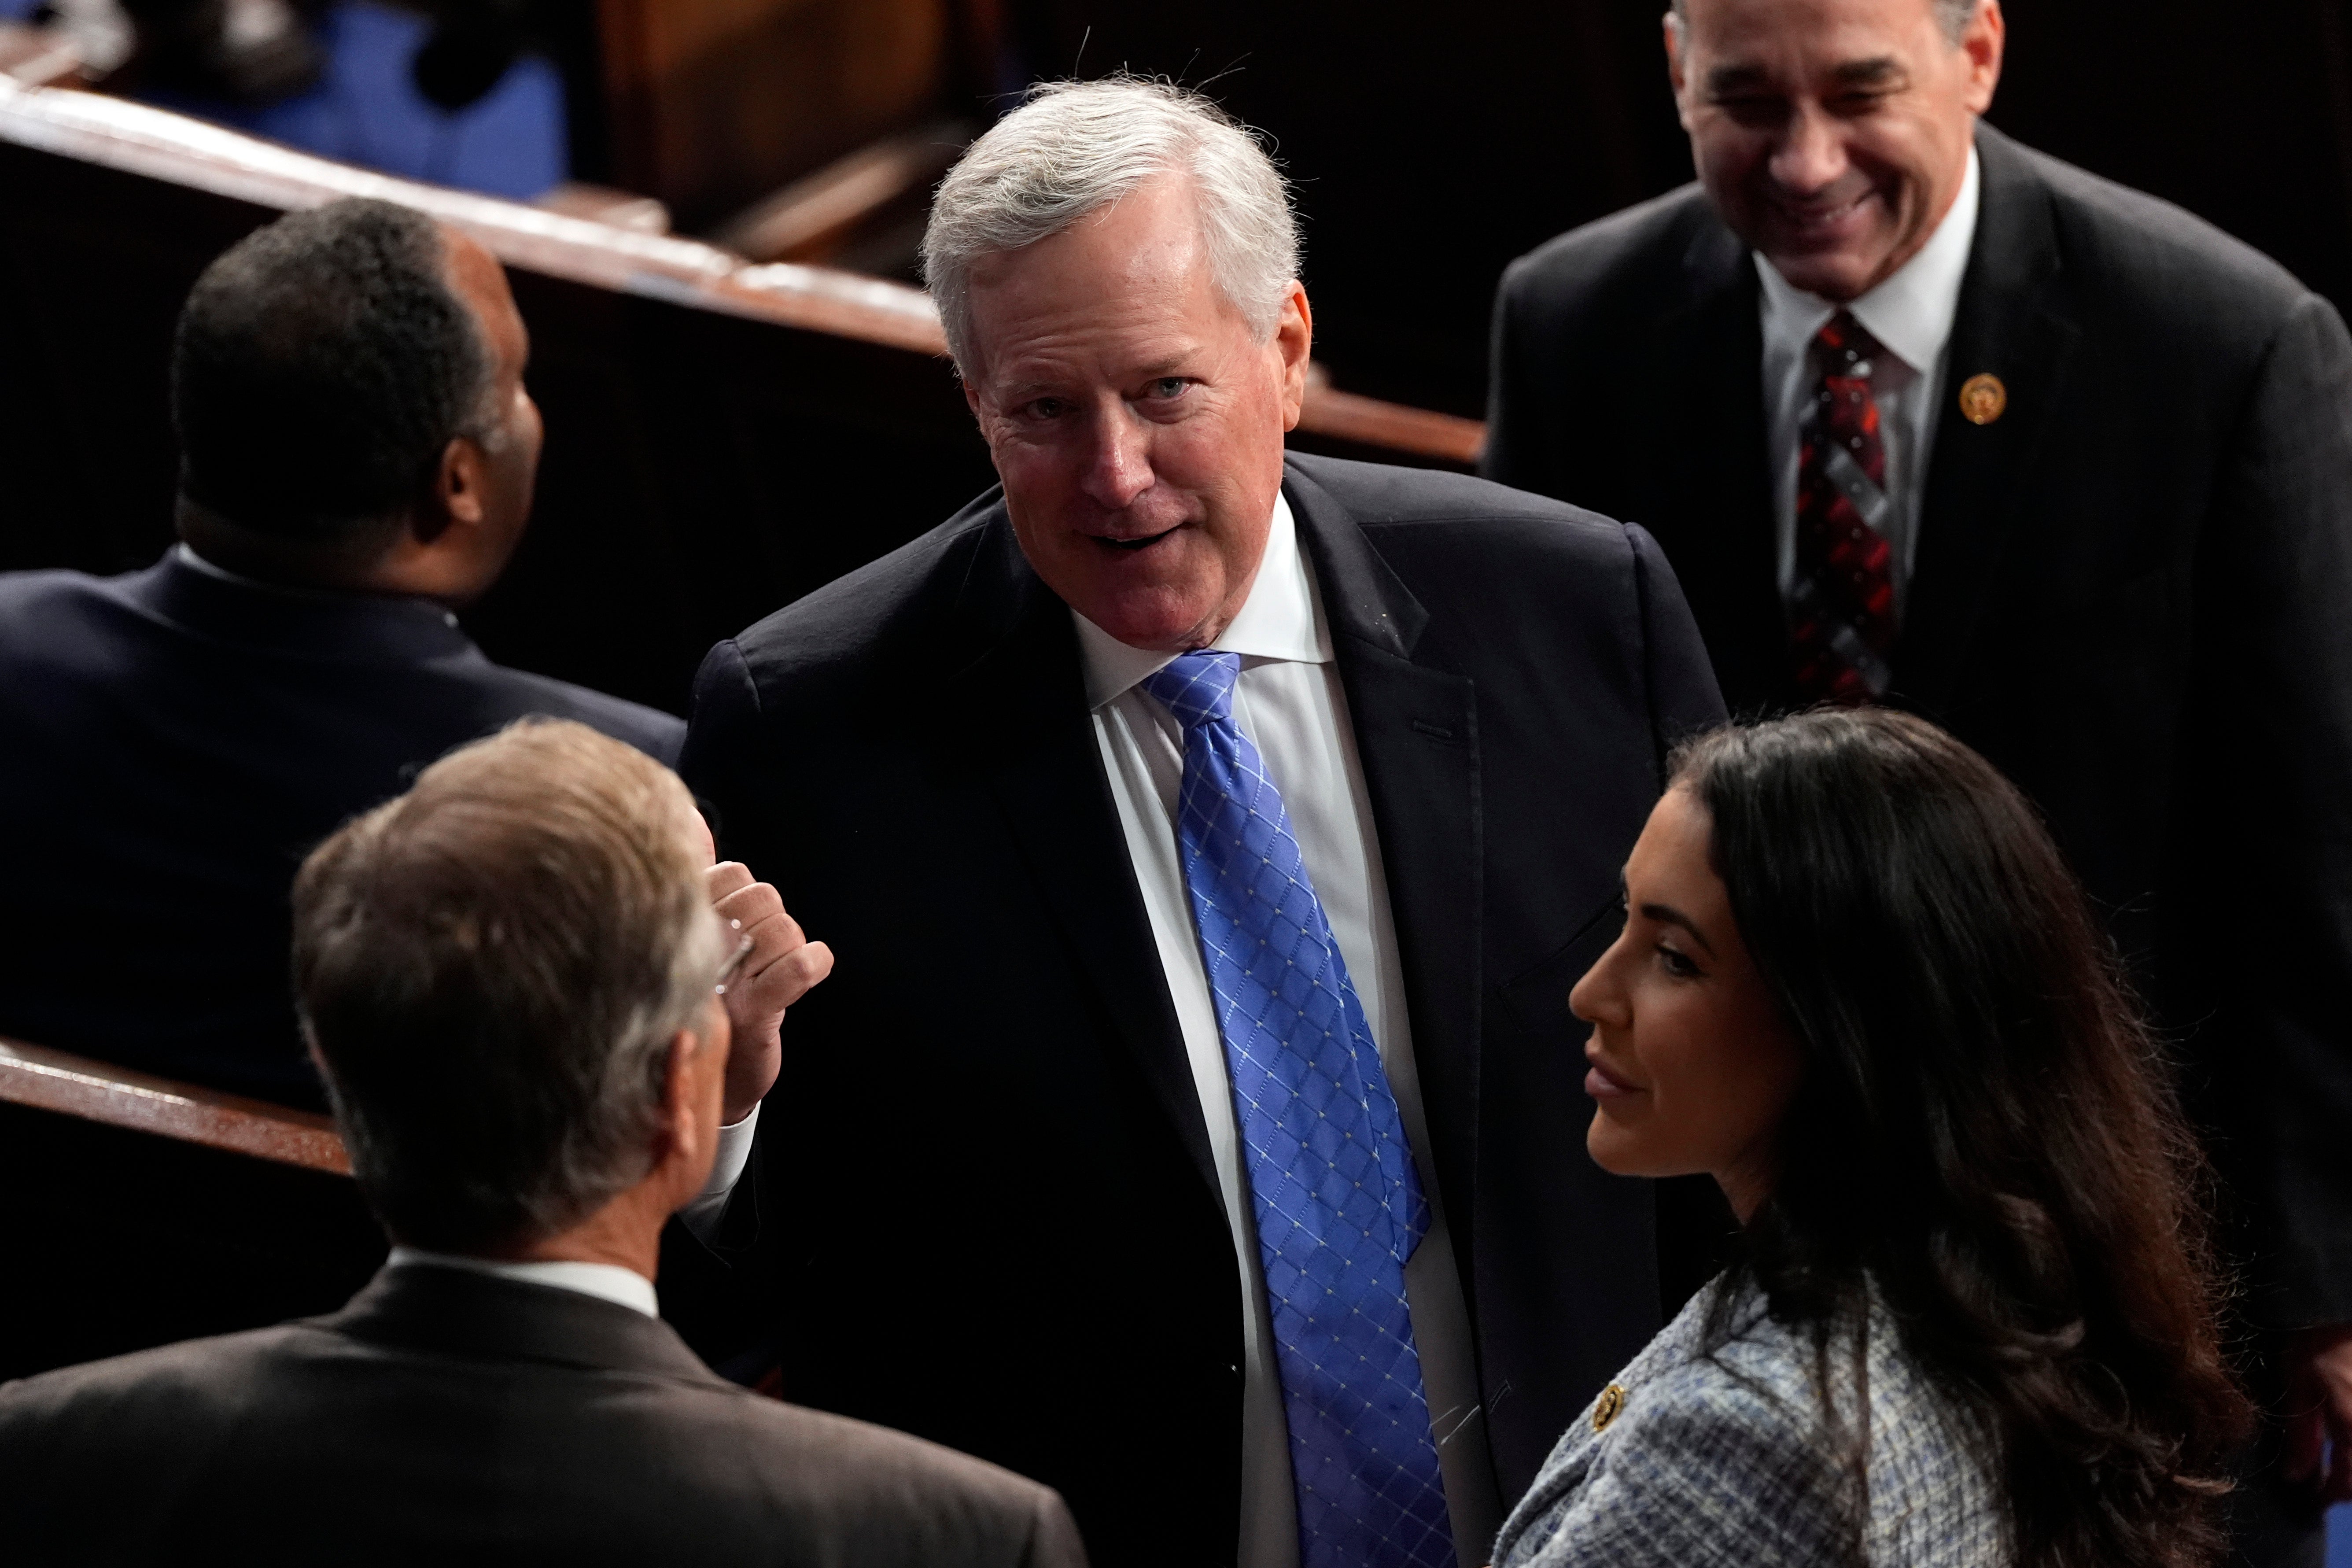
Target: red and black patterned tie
{"type": "Point", "coordinates": [1841, 605]}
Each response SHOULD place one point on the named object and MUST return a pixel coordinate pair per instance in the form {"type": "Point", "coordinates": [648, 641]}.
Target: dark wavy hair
{"type": "Point", "coordinates": [1983, 1129]}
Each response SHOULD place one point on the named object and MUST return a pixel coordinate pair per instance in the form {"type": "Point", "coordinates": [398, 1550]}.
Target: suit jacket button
{"type": "Point", "coordinates": [1606, 1407]}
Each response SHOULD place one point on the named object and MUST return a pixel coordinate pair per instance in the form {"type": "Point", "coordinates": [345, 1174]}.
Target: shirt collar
{"type": "Point", "coordinates": [608, 1281]}
{"type": "Point", "coordinates": [1911, 311]}
{"type": "Point", "coordinates": [1279, 620]}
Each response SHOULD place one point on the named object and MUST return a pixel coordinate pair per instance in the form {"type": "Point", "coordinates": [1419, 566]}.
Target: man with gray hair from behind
{"type": "Point", "coordinates": [516, 987]}
{"type": "Point", "coordinates": [1217, 832]}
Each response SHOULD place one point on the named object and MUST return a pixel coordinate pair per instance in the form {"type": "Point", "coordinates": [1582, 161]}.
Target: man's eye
{"type": "Point", "coordinates": [1044, 407]}
{"type": "Point", "coordinates": [1168, 386]}
{"type": "Point", "coordinates": [1754, 112]}
{"type": "Point", "coordinates": [1856, 103]}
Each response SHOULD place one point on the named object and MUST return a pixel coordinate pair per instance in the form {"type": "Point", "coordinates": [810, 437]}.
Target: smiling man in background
{"type": "Point", "coordinates": [1924, 417]}
{"type": "Point", "coordinates": [1211, 835]}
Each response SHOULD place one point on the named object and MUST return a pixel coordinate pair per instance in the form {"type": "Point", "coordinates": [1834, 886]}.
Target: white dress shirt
{"type": "Point", "coordinates": [607, 1281]}
{"type": "Point", "coordinates": [1288, 700]}
{"type": "Point", "coordinates": [1911, 314]}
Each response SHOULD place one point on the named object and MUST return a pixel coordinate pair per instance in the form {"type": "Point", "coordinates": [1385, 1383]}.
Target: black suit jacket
{"type": "Point", "coordinates": [2129, 594]}
{"type": "Point", "coordinates": [448, 1417]}
{"type": "Point", "coordinates": [986, 1210]}
{"type": "Point", "coordinates": [171, 744]}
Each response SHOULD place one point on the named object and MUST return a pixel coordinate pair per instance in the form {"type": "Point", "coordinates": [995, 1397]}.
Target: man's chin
{"type": "Point", "coordinates": [1838, 273]}
{"type": "Point", "coordinates": [1162, 626]}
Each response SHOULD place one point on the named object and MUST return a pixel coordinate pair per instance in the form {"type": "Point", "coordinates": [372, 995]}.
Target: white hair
{"type": "Point", "coordinates": [1076, 147]}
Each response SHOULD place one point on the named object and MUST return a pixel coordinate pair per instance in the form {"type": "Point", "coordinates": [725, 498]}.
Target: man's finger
{"type": "Point", "coordinates": [749, 907]}
{"type": "Point", "coordinates": [728, 876]}
{"type": "Point", "coordinates": [790, 977]}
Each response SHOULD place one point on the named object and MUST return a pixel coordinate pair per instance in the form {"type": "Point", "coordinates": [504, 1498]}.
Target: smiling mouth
{"type": "Point", "coordinates": [1813, 220]}
{"type": "Point", "coordinates": [1145, 543]}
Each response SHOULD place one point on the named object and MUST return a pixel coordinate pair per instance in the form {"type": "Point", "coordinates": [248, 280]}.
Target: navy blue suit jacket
{"type": "Point", "coordinates": [985, 1206]}
{"type": "Point", "coordinates": [171, 743]}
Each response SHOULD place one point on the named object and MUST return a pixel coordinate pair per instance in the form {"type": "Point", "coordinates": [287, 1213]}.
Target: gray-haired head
{"type": "Point", "coordinates": [1952, 14]}
{"type": "Point", "coordinates": [492, 968]}
{"type": "Point", "coordinates": [1075, 148]}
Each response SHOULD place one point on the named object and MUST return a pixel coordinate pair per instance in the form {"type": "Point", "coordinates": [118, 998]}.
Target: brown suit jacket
{"type": "Point", "coordinates": [449, 1416]}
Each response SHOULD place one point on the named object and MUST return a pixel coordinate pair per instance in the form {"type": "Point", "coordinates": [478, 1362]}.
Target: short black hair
{"type": "Point", "coordinates": [321, 366]}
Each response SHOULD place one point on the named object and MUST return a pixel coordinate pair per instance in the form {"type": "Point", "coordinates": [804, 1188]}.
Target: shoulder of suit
{"type": "Point", "coordinates": [657, 734]}
{"type": "Point", "coordinates": [1639, 250]}
{"type": "Point", "coordinates": [895, 600]}
{"type": "Point", "coordinates": [1391, 495]}
{"type": "Point", "coordinates": [2129, 245]}
{"type": "Point", "coordinates": [850, 1459]}
{"type": "Point", "coordinates": [1430, 521]}
{"type": "Point", "coordinates": [1761, 1391]}
{"type": "Point", "coordinates": [183, 1382]}
{"type": "Point", "coordinates": [31, 601]}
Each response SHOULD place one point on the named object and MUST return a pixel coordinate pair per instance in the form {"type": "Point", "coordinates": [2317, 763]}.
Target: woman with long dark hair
{"type": "Point", "coordinates": [1971, 1319]}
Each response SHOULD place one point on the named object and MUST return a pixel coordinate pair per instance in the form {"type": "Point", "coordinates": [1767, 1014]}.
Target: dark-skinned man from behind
{"type": "Point", "coordinates": [358, 453]}
{"type": "Point", "coordinates": [1923, 417]}
{"type": "Point", "coordinates": [507, 975]}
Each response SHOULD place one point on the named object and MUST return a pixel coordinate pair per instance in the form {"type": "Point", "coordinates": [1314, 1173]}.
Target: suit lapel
{"type": "Point", "coordinates": [1712, 465]}
{"type": "Point", "coordinates": [1030, 735]}
{"type": "Point", "coordinates": [1416, 736]}
{"type": "Point", "coordinates": [2012, 324]}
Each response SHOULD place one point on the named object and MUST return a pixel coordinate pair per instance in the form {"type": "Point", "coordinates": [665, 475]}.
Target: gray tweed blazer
{"type": "Point", "coordinates": [1696, 1461]}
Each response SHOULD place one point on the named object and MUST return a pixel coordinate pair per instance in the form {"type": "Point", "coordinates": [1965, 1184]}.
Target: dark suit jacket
{"type": "Point", "coordinates": [985, 1205]}
{"type": "Point", "coordinates": [171, 744]}
{"type": "Point", "coordinates": [446, 1416]}
{"type": "Point", "coordinates": [2129, 594]}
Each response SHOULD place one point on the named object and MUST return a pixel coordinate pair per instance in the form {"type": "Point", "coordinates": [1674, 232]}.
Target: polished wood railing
{"type": "Point", "coordinates": [138, 139]}
{"type": "Point", "coordinates": [110, 1096]}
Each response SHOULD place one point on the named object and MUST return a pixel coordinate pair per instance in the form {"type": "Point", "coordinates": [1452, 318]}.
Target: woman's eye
{"type": "Point", "coordinates": [1676, 963]}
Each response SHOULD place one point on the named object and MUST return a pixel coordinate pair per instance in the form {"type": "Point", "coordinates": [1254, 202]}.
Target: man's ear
{"type": "Point", "coordinates": [1676, 66]}
{"type": "Point", "coordinates": [458, 490]}
{"type": "Point", "coordinates": [1982, 42]}
{"type": "Point", "coordinates": [681, 1133]}
{"type": "Point", "coordinates": [1294, 339]}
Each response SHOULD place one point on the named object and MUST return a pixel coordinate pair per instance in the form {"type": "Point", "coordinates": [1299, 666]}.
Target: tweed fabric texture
{"type": "Point", "coordinates": [1726, 1461]}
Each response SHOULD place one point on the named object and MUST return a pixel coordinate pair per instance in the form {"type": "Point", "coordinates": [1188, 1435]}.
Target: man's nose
{"type": "Point", "coordinates": [1811, 155]}
{"type": "Point", "coordinates": [1118, 467]}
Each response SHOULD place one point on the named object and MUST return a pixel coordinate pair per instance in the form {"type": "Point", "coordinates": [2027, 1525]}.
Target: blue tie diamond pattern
{"type": "Point", "coordinates": [1338, 1204]}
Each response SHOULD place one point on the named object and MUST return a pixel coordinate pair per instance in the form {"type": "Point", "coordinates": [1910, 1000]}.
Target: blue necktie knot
{"type": "Point", "coordinates": [1198, 688]}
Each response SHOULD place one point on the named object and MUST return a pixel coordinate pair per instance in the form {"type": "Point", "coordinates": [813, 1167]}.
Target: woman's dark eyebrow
{"type": "Point", "coordinates": [1666, 914]}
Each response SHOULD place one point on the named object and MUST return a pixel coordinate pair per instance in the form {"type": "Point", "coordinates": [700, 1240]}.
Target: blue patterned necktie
{"type": "Point", "coordinates": [1332, 1184]}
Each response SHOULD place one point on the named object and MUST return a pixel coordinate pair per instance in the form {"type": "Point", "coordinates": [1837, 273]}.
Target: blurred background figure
{"type": "Point", "coordinates": [507, 977]}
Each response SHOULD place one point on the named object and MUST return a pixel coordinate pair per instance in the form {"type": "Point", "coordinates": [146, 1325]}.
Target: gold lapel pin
{"type": "Point", "coordinates": [1605, 1408]}
{"type": "Point", "coordinates": [1982, 398]}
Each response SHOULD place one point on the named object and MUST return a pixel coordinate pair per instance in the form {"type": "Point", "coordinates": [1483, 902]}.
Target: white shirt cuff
{"type": "Point", "coordinates": [701, 1213]}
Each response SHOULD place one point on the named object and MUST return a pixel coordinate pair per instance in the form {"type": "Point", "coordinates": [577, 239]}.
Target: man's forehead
{"type": "Point", "coordinates": [1125, 300]}
{"type": "Point", "coordinates": [1848, 35]}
